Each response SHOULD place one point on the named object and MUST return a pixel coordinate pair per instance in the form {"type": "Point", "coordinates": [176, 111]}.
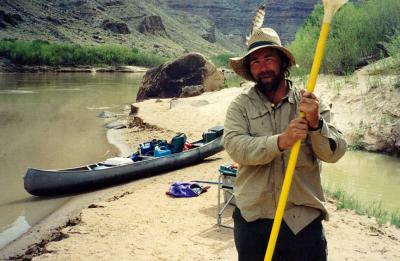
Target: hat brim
{"type": "Point", "coordinates": [237, 64]}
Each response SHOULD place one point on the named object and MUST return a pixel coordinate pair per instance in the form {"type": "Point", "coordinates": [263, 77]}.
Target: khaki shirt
{"type": "Point", "coordinates": [251, 130]}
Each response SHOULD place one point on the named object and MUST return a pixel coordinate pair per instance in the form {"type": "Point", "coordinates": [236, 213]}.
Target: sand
{"type": "Point", "coordinates": [138, 221]}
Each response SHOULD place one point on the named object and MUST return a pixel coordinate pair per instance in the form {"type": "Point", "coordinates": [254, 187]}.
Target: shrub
{"type": "Point", "coordinates": [221, 60]}
{"type": "Point", "coordinates": [39, 52]}
{"type": "Point", "coordinates": [357, 34]}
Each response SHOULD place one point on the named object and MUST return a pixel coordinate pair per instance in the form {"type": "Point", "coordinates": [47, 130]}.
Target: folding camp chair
{"type": "Point", "coordinates": [227, 175]}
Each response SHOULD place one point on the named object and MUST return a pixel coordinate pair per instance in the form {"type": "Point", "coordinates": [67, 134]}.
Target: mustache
{"type": "Point", "coordinates": [266, 74]}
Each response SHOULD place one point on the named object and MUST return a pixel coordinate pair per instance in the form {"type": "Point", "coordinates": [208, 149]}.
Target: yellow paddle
{"type": "Point", "coordinates": [330, 8]}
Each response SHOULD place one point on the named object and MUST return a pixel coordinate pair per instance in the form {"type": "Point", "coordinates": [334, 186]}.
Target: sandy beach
{"type": "Point", "coordinates": [138, 221]}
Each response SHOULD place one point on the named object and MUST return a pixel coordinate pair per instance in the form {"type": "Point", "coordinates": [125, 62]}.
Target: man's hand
{"type": "Point", "coordinates": [297, 130]}
{"type": "Point", "coordinates": [309, 104]}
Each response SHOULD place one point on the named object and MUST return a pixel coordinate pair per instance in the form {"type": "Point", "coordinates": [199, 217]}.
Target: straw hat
{"type": "Point", "coordinates": [261, 38]}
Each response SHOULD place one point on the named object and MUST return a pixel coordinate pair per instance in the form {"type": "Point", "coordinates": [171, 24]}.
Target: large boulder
{"type": "Point", "coordinates": [189, 75]}
{"type": "Point", "coordinates": [152, 24]}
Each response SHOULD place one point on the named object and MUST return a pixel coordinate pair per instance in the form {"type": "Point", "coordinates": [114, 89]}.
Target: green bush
{"type": "Point", "coordinates": [221, 60]}
{"type": "Point", "coordinates": [393, 46]}
{"type": "Point", "coordinates": [358, 32]}
{"type": "Point", "coordinates": [40, 52]}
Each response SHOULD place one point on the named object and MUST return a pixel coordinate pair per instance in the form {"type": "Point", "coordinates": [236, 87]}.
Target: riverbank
{"type": "Point", "coordinates": [7, 67]}
{"type": "Point", "coordinates": [140, 222]}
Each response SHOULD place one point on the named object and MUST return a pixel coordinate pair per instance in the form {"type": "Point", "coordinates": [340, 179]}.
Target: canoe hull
{"type": "Point", "coordinates": [57, 182]}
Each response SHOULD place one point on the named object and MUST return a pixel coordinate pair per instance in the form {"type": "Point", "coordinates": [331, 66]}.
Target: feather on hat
{"type": "Point", "coordinates": [258, 21]}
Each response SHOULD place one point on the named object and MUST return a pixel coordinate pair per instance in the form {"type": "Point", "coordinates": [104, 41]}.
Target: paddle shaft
{"type": "Point", "coordinates": [296, 147]}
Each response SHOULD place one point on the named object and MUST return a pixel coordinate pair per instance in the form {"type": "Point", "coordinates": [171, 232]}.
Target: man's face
{"type": "Point", "coordinates": [266, 68]}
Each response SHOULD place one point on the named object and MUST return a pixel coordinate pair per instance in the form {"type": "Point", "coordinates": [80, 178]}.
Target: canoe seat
{"type": "Point", "coordinates": [116, 161]}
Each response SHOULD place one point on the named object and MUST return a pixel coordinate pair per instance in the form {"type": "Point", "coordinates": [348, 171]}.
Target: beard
{"type": "Point", "coordinates": [272, 84]}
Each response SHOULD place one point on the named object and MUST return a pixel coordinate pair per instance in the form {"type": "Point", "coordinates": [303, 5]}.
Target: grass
{"type": "Point", "coordinates": [346, 201]}
{"type": "Point", "coordinates": [40, 52]}
{"type": "Point", "coordinates": [355, 147]}
{"type": "Point", "coordinates": [335, 84]}
{"type": "Point", "coordinates": [232, 80]}
{"type": "Point", "coordinates": [386, 66]}
{"type": "Point", "coordinates": [221, 60]}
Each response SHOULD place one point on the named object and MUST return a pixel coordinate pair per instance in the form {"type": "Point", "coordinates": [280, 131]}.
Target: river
{"type": "Point", "coordinates": [370, 178]}
{"type": "Point", "coordinates": [49, 120]}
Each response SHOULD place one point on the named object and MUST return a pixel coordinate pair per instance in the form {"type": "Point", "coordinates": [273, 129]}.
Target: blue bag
{"type": "Point", "coordinates": [146, 149]}
{"type": "Point", "coordinates": [177, 143]}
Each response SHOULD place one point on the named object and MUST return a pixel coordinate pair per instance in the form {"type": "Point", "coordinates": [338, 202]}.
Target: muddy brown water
{"type": "Point", "coordinates": [371, 178]}
{"type": "Point", "coordinates": [50, 121]}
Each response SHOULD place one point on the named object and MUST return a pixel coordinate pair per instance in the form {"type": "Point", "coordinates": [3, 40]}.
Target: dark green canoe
{"type": "Point", "coordinates": [99, 175]}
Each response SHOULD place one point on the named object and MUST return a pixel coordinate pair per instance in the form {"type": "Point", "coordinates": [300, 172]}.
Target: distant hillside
{"type": "Point", "coordinates": [167, 27]}
{"type": "Point", "coordinates": [235, 16]}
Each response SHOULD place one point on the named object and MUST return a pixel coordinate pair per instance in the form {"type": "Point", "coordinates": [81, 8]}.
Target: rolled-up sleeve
{"type": "Point", "coordinates": [328, 142]}
{"type": "Point", "coordinates": [240, 145]}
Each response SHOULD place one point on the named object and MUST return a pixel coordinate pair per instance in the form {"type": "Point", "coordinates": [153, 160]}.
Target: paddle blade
{"type": "Point", "coordinates": [331, 7]}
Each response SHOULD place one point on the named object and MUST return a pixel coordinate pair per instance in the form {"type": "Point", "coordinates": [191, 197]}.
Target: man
{"type": "Point", "coordinates": [261, 126]}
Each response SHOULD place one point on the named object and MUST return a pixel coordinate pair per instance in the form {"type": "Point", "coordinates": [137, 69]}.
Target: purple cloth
{"type": "Point", "coordinates": [185, 189]}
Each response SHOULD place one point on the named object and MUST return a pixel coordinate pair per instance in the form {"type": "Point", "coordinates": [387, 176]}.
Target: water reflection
{"type": "Point", "coordinates": [50, 121]}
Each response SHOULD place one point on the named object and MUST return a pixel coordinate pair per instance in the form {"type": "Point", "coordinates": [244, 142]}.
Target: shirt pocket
{"type": "Point", "coordinates": [260, 123]}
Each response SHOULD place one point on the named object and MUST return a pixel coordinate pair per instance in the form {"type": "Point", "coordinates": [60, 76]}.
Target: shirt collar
{"type": "Point", "coordinates": [254, 93]}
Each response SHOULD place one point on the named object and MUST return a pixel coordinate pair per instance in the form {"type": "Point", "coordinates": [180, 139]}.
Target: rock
{"type": "Point", "coordinates": [116, 125]}
{"type": "Point", "coordinates": [9, 19]}
{"type": "Point", "coordinates": [98, 38]}
{"type": "Point", "coordinates": [210, 35]}
{"type": "Point", "coordinates": [78, 2]}
{"type": "Point", "coordinates": [114, 3]}
{"type": "Point", "coordinates": [106, 114]}
{"type": "Point", "coordinates": [189, 91]}
{"type": "Point", "coordinates": [153, 25]}
{"type": "Point", "coordinates": [126, 108]}
{"type": "Point", "coordinates": [382, 138]}
{"type": "Point", "coordinates": [54, 21]}
{"type": "Point", "coordinates": [118, 28]}
{"type": "Point", "coordinates": [134, 110]}
{"type": "Point", "coordinates": [182, 76]}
